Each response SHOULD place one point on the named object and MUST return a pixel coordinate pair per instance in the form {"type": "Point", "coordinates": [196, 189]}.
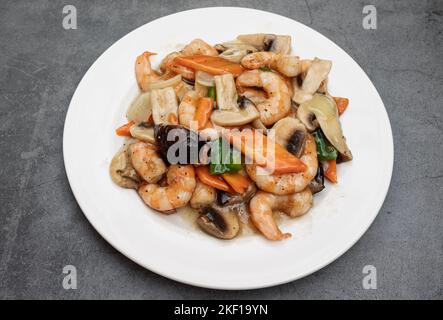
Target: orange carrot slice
{"type": "Point", "coordinates": [237, 181]}
{"type": "Point", "coordinates": [331, 171]}
{"type": "Point", "coordinates": [124, 129]}
{"type": "Point", "coordinates": [342, 104]}
{"type": "Point", "coordinates": [203, 112]}
{"type": "Point", "coordinates": [209, 64]}
{"type": "Point", "coordinates": [211, 180]}
{"type": "Point", "coordinates": [254, 145]}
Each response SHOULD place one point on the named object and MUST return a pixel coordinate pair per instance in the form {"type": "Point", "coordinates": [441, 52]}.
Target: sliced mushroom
{"type": "Point", "coordinates": [318, 183]}
{"type": "Point", "coordinates": [232, 199]}
{"type": "Point", "coordinates": [164, 106]}
{"type": "Point", "coordinates": [226, 92]}
{"type": "Point", "coordinates": [198, 46]}
{"type": "Point", "coordinates": [142, 131]}
{"type": "Point", "coordinates": [220, 222]}
{"type": "Point", "coordinates": [140, 109]}
{"type": "Point", "coordinates": [257, 40]}
{"type": "Point", "coordinates": [204, 78]}
{"type": "Point", "coordinates": [281, 44]}
{"type": "Point", "coordinates": [316, 74]}
{"type": "Point", "coordinates": [235, 55]}
{"type": "Point", "coordinates": [291, 133]}
{"type": "Point", "coordinates": [177, 144]}
{"type": "Point", "coordinates": [246, 113]}
{"type": "Point", "coordinates": [323, 109]}
{"type": "Point", "coordinates": [122, 172]}
{"type": "Point", "coordinates": [268, 42]}
{"type": "Point", "coordinates": [235, 44]}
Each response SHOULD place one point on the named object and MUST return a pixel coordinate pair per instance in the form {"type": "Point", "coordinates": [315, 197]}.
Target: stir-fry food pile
{"type": "Point", "coordinates": [241, 132]}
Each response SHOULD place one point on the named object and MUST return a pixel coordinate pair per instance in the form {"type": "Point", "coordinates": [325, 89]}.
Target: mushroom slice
{"type": "Point", "coordinates": [318, 183]}
{"type": "Point", "coordinates": [122, 172]}
{"type": "Point", "coordinates": [142, 131]}
{"type": "Point", "coordinates": [268, 42]}
{"type": "Point", "coordinates": [235, 55]}
{"type": "Point", "coordinates": [291, 133]}
{"type": "Point", "coordinates": [245, 114]}
{"type": "Point", "coordinates": [235, 44]}
{"type": "Point", "coordinates": [204, 78]}
{"type": "Point", "coordinates": [226, 92]}
{"type": "Point", "coordinates": [198, 46]}
{"type": "Point", "coordinates": [324, 110]}
{"type": "Point", "coordinates": [281, 44]}
{"type": "Point", "coordinates": [234, 199]}
{"type": "Point", "coordinates": [220, 222]}
{"type": "Point", "coordinates": [164, 106]}
{"type": "Point", "coordinates": [261, 41]}
{"type": "Point", "coordinates": [317, 73]}
{"type": "Point", "coordinates": [140, 109]}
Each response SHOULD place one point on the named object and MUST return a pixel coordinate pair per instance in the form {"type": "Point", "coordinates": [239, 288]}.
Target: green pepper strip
{"type": "Point", "coordinates": [325, 150]}
{"type": "Point", "coordinates": [211, 93]}
{"type": "Point", "coordinates": [266, 68]}
{"type": "Point", "coordinates": [224, 159]}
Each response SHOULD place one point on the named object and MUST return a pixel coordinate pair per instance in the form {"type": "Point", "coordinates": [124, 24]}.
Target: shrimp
{"type": "Point", "coordinates": [187, 108]}
{"type": "Point", "coordinates": [278, 103]}
{"type": "Point", "coordinates": [288, 183]}
{"type": "Point", "coordinates": [169, 65]}
{"type": "Point", "coordinates": [255, 95]}
{"type": "Point", "coordinates": [263, 204]}
{"type": "Point", "coordinates": [203, 196]}
{"type": "Point", "coordinates": [147, 162]}
{"type": "Point", "coordinates": [198, 46]}
{"type": "Point", "coordinates": [290, 66]}
{"type": "Point", "coordinates": [178, 192]}
{"type": "Point", "coordinates": [144, 73]}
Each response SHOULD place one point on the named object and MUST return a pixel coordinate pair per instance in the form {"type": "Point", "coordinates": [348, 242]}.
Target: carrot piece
{"type": "Point", "coordinates": [342, 104]}
{"type": "Point", "coordinates": [331, 171]}
{"type": "Point", "coordinates": [211, 180]}
{"type": "Point", "coordinates": [124, 129]}
{"type": "Point", "coordinates": [237, 181]}
{"type": "Point", "coordinates": [253, 144]}
{"type": "Point", "coordinates": [209, 64]}
{"type": "Point", "coordinates": [203, 112]}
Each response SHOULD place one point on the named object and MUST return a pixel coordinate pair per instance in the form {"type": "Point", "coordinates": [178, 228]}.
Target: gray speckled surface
{"type": "Point", "coordinates": [42, 228]}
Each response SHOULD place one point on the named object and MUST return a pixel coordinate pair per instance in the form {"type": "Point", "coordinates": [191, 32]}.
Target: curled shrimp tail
{"type": "Point", "coordinates": [261, 217]}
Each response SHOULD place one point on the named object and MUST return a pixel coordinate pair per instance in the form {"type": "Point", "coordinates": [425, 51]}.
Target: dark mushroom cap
{"type": "Point", "coordinates": [296, 143]}
{"type": "Point", "coordinates": [318, 183]}
{"type": "Point", "coordinates": [220, 222]}
{"type": "Point", "coordinates": [182, 139]}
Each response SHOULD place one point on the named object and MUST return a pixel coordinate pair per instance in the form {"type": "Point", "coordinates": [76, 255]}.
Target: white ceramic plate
{"type": "Point", "coordinates": [168, 245]}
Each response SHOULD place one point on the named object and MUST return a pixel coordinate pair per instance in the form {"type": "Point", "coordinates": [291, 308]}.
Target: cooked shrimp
{"type": "Point", "coordinates": [203, 196]}
{"type": "Point", "coordinates": [290, 182]}
{"type": "Point", "coordinates": [180, 186]}
{"type": "Point", "coordinates": [255, 95]}
{"type": "Point", "coordinates": [146, 161]}
{"type": "Point", "coordinates": [187, 108]}
{"type": "Point", "coordinates": [289, 66]}
{"type": "Point", "coordinates": [144, 73]}
{"type": "Point", "coordinates": [263, 204]}
{"type": "Point", "coordinates": [278, 103]}
{"type": "Point", "coordinates": [198, 46]}
{"type": "Point", "coordinates": [169, 65]}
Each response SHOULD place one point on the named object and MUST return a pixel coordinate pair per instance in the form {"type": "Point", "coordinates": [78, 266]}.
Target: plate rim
{"type": "Point", "coordinates": [383, 190]}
